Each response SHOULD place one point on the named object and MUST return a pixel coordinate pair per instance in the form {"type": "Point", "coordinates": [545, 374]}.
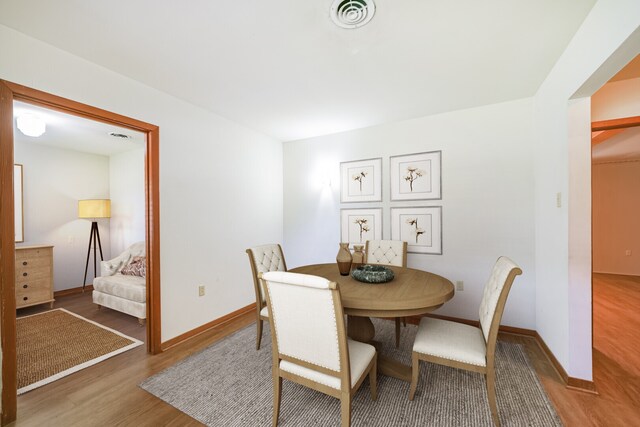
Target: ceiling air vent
{"type": "Point", "coordinates": [352, 13]}
{"type": "Point", "coordinates": [119, 135]}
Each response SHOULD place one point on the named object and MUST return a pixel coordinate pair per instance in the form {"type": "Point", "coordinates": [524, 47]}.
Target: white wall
{"type": "Point", "coordinates": [603, 45]}
{"type": "Point", "coordinates": [616, 100]}
{"type": "Point", "coordinates": [54, 181]}
{"type": "Point", "coordinates": [220, 183]}
{"type": "Point", "coordinates": [126, 186]}
{"type": "Point", "coordinates": [616, 209]}
{"type": "Point", "coordinates": [487, 197]}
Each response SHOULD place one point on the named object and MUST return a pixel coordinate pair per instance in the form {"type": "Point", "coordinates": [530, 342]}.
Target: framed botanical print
{"type": "Point", "coordinates": [416, 176]}
{"type": "Point", "coordinates": [359, 225]}
{"type": "Point", "coordinates": [361, 181]}
{"type": "Point", "coordinates": [420, 227]}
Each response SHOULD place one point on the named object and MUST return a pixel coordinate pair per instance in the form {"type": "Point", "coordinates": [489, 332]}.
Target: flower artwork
{"type": "Point", "coordinates": [413, 173]}
{"type": "Point", "coordinates": [416, 230]}
{"type": "Point", "coordinates": [359, 177]}
{"type": "Point", "coordinates": [420, 227]}
{"type": "Point", "coordinates": [359, 225]}
{"type": "Point", "coordinates": [361, 181]}
{"type": "Point", "coordinates": [364, 228]}
{"type": "Point", "coordinates": [416, 176]}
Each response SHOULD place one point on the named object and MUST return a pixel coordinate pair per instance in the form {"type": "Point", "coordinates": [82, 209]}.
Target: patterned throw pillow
{"type": "Point", "coordinates": [137, 267]}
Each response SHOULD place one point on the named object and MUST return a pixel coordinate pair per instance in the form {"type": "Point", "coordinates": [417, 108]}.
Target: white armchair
{"type": "Point", "coordinates": [309, 341]}
{"type": "Point", "coordinates": [263, 259]}
{"type": "Point", "coordinates": [467, 347]}
{"type": "Point", "coordinates": [124, 293]}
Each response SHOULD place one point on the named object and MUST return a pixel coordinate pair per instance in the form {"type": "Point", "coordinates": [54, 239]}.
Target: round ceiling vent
{"type": "Point", "coordinates": [120, 135]}
{"type": "Point", "coordinates": [352, 13]}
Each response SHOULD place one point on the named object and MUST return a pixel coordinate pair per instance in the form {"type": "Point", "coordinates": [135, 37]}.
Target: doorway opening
{"type": "Point", "coordinates": [615, 177]}
{"type": "Point", "coordinates": [10, 92]}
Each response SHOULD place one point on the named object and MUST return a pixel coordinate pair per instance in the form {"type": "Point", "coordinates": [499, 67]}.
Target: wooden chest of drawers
{"type": "Point", "coordinates": [34, 275]}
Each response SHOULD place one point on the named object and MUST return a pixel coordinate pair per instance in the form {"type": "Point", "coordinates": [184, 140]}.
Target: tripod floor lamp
{"type": "Point", "coordinates": [93, 209]}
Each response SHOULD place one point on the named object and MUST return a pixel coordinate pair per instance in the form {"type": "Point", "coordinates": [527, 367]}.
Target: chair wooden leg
{"type": "Point", "coordinates": [345, 409]}
{"type": "Point", "coordinates": [415, 371]}
{"type": "Point", "coordinates": [259, 333]}
{"type": "Point", "coordinates": [397, 332]}
{"type": "Point", "coordinates": [277, 394]}
{"type": "Point", "coordinates": [491, 393]}
{"type": "Point", "coordinates": [373, 378]}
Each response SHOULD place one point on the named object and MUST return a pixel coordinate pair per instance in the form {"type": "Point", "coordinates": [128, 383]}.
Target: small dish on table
{"type": "Point", "coordinates": [372, 274]}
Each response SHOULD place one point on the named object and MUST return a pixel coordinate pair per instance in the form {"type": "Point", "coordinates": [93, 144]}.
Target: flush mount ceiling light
{"type": "Point", "coordinates": [352, 13]}
{"type": "Point", "coordinates": [31, 125]}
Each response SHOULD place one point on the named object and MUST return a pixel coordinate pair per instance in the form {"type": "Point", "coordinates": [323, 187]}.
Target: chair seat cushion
{"type": "Point", "coordinates": [451, 340]}
{"type": "Point", "coordinates": [360, 355]}
{"type": "Point", "coordinates": [132, 288]}
{"type": "Point", "coordinates": [264, 312]}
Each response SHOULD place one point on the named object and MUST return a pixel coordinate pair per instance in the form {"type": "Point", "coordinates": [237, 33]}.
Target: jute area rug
{"type": "Point", "coordinates": [229, 384]}
{"type": "Point", "coordinates": [57, 343]}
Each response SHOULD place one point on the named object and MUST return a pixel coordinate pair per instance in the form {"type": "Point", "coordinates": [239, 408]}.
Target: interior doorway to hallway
{"type": "Point", "coordinates": [616, 240]}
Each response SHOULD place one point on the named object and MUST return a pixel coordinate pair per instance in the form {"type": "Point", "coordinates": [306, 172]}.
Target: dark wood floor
{"type": "Point", "coordinates": [107, 394]}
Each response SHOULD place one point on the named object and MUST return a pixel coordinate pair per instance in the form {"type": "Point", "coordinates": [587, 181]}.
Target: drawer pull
{"type": "Point", "coordinates": [24, 274]}
{"type": "Point", "coordinates": [25, 298]}
{"type": "Point", "coordinates": [25, 286]}
{"type": "Point", "coordinates": [24, 262]}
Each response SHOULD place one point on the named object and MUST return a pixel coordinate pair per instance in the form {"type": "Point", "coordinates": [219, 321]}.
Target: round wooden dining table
{"type": "Point", "coordinates": [411, 292]}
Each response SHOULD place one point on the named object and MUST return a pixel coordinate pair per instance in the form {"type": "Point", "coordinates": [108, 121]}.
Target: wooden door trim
{"type": "Point", "coordinates": [8, 93]}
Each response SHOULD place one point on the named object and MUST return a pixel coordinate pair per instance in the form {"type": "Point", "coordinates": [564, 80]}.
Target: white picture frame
{"type": "Point", "coordinates": [420, 227]}
{"type": "Point", "coordinates": [416, 176]}
{"type": "Point", "coordinates": [361, 181]}
{"type": "Point", "coordinates": [18, 211]}
{"type": "Point", "coordinates": [359, 225]}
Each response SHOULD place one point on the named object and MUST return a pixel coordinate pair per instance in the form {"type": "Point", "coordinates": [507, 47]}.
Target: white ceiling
{"type": "Point", "coordinates": [282, 67]}
{"type": "Point", "coordinates": [623, 147]}
{"type": "Point", "coordinates": [69, 132]}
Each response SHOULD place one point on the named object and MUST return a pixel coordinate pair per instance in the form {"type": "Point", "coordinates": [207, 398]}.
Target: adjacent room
{"type": "Point", "coordinates": [338, 212]}
{"type": "Point", "coordinates": [80, 216]}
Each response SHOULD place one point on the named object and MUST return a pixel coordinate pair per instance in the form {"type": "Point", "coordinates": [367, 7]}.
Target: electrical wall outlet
{"type": "Point", "coordinates": [459, 285]}
{"type": "Point", "coordinates": [627, 252]}
{"type": "Point", "coordinates": [201, 290]}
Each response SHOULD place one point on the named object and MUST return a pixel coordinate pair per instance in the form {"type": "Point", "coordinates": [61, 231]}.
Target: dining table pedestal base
{"type": "Point", "coordinates": [361, 329]}
{"type": "Point", "coordinates": [391, 367]}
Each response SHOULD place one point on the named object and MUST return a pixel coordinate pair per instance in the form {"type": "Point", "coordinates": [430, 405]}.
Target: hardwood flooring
{"type": "Point", "coordinates": [108, 393]}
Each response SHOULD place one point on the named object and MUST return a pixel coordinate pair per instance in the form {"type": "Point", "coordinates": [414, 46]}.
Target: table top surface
{"type": "Point", "coordinates": [410, 292]}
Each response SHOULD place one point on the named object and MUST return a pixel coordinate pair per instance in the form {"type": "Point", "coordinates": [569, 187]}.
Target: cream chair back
{"type": "Point", "coordinates": [263, 259]}
{"type": "Point", "coordinates": [306, 314]}
{"type": "Point", "coordinates": [386, 252]}
{"type": "Point", "coordinates": [495, 295]}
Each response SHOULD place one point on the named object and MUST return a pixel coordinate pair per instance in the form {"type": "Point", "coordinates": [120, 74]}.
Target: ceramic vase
{"type": "Point", "coordinates": [358, 256]}
{"type": "Point", "coordinates": [344, 259]}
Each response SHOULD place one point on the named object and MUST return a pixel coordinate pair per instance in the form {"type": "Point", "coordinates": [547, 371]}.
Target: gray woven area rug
{"type": "Point", "coordinates": [229, 384]}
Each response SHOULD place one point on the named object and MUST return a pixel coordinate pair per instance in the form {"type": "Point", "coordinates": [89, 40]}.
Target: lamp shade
{"type": "Point", "coordinates": [95, 208]}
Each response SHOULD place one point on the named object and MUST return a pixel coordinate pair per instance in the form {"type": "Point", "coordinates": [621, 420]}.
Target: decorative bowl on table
{"type": "Point", "coordinates": [372, 274]}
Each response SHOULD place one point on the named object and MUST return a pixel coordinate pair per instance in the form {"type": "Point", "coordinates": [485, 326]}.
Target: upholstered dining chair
{"type": "Point", "coordinates": [262, 259]}
{"type": "Point", "coordinates": [467, 347]}
{"type": "Point", "coordinates": [387, 252]}
{"type": "Point", "coordinates": [309, 341]}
